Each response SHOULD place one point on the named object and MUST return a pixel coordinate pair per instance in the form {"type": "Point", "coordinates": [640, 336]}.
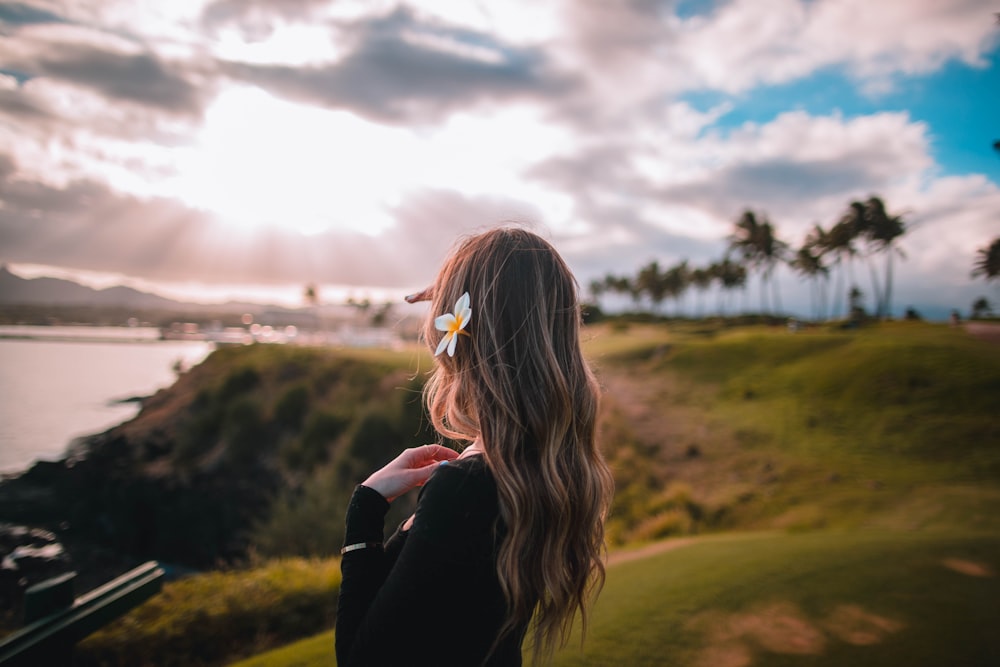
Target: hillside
{"type": "Point", "coordinates": [708, 429]}
{"type": "Point", "coordinates": [750, 429]}
{"type": "Point", "coordinates": [56, 291]}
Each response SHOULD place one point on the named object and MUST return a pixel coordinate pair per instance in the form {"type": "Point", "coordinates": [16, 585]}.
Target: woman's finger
{"type": "Point", "coordinates": [419, 456]}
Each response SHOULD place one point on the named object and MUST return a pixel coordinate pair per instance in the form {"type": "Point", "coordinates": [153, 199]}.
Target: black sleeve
{"type": "Point", "coordinates": [362, 571]}
{"type": "Point", "coordinates": [410, 612]}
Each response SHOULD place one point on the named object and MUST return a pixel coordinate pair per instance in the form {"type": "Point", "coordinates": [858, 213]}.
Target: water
{"type": "Point", "coordinates": [66, 385]}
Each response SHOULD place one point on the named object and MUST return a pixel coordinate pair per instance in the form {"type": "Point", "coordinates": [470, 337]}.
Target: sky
{"type": "Point", "coordinates": [217, 149]}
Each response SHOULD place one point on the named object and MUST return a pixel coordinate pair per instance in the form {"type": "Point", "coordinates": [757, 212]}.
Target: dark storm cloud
{"type": "Point", "coordinates": [19, 105]}
{"type": "Point", "coordinates": [18, 14]}
{"type": "Point", "coordinates": [255, 17]}
{"type": "Point", "coordinates": [778, 184]}
{"type": "Point", "coordinates": [142, 78]}
{"type": "Point", "coordinates": [620, 242]}
{"type": "Point", "coordinates": [390, 76]}
{"type": "Point", "coordinates": [87, 225]}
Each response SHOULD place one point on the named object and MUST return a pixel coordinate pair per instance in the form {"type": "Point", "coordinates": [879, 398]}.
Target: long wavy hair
{"type": "Point", "coordinates": [520, 384]}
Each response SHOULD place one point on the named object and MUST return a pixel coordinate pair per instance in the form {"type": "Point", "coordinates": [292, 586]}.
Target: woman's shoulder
{"type": "Point", "coordinates": [464, 483]}
{"type": "Point", "coordinates": [469, 471]}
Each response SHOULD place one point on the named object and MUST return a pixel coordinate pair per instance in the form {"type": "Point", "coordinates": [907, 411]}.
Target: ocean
{"type": "Point", "coordinates": [60, 383]}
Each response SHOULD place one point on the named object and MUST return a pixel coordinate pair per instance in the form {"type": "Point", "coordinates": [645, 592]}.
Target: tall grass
{"type": "Point", "coordinates": [892, 425]}
{"type": "Point", "coordinates": [211, 618]}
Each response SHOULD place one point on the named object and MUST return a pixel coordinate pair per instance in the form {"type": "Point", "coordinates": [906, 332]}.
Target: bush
{"type": "Point", "coordinates": [215, 618]}
{"type": "Point", "coordinates": [322, 428]}
{"type": "Point", "coordinates": [665, 524]}
{"type": "Point", "coordinates": [247, 437]}
{"type": "Point", "coordinates": [292, 407]}
{"type": "Point", "coordinates": [239, 382]}
{"type": "Point", "coordinates": [307, 521]}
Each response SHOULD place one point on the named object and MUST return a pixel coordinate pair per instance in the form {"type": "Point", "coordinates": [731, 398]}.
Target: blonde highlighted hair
{"type": "Point", "coordinates": [520, 384]}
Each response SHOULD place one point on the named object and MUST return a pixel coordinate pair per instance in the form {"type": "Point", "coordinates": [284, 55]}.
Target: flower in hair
{"type": "Point", "coordinates": [453, 324]}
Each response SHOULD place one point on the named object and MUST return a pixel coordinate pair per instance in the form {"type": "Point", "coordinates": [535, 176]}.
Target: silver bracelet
{"type": "Point", "coordinates": [360, 545]}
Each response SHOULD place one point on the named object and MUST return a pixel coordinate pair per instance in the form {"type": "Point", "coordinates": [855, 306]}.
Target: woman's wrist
{"type": "Point", "coordinates": [365, 516]}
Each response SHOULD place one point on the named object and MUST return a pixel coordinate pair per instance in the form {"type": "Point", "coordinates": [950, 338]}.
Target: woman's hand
{"type": "Point", "coordinates": [408, 470]}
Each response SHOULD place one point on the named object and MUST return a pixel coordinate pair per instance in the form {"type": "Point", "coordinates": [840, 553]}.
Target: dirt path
{"type": "Point", "coordinates": [653, 549]}
{"type": "Point", "coordinates": [988, 331]}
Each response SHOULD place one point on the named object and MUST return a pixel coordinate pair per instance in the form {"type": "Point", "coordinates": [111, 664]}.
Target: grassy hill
{"type": "Point", "coordinates": [823, 599]}
{"type": "Point", "coordinates": [865, 463]}
{"type": "Point", "coordinates": [888, 427]}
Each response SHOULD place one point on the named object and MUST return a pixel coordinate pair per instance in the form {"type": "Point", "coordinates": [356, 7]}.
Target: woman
{"type": "Point", "coordinates": [513, 529]}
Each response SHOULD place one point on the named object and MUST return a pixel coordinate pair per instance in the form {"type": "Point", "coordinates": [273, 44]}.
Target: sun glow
{"type": "Point", "coordinates": [263, 162]}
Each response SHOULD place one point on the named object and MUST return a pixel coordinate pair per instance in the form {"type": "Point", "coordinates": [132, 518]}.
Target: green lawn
{"type": "Point", "coordinates": [820, 599]}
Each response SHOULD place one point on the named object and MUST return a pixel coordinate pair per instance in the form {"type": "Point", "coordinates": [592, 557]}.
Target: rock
{"type": "Point", "coordinates": [27, 557]}
{"type": "Point", "coordinates": [31, 554]}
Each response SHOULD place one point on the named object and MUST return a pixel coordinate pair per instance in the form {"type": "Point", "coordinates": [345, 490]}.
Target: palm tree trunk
{"type": "Point", "coordinates": [875, 287]}
{"type": "Point", "coordinates": [838, 291]}
{"type": "Point", "coordinates": [777, 292]}
{"type": "Point", "coordinates": [888, 283]}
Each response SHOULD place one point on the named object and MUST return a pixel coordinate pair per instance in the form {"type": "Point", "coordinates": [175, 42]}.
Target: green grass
{"type": "Point", "coordinates": [864, 458]}
{"type": "Point", "coordinates": [316, 650]}
{"type": "Point", "coordinates": [890, 426]}
{"type": "Point", "coordinates": [780, 599]}
{"type": "Point", "coordinates": [823, 599]}
{"type": "Point", "coordinates": [207, 618]}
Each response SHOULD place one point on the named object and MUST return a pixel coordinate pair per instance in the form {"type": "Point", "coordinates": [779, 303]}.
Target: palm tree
{"type": "Point", "coordinates": [311, 296]}
{"type": "Point", "coordinates": [987, 262]}
{"type": "Point", "coordinates": [701, 278]}
{"type": "Point", "coordinates": [744, 242]}
{"type": "Point", "coordinates": [772, 254]}
{"type": "Point", "coordinates": [597, 288]}
{"type": "Point", "coordinates": [980, 308]}
{"type": "Point", "coordinates": [808, 263]}
{"type": "Point", "coordinates": [842, 237]}
{"type": "Point", "coordinates": [731, 275]}
{"type": "Point", "coordinates": [819, 243]}
{"type": "Point", "coordinates": [650, 281]}
{"type": "Point", "coordinates": [882, 230]}
{"type": "Point", "coordinates": [617, 284]}
{"type": "Point", "coordinates": [756, 242]}
{"type": "Point", "coordinates": [839, 242]}
{"type": "Point", "coordinates": [676, 280]}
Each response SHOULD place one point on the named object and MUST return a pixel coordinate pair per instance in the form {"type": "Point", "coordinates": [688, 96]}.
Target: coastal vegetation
{"type": "Point", "coordinates": [864, 231]}
{"type": "Point", "coordinates": [772, 453]}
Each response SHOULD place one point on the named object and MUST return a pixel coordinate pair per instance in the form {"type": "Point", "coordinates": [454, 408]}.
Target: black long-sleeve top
{"type": "Point", "coordinates": [432, 596]}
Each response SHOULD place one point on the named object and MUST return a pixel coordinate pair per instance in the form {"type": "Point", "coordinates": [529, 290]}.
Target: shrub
{"type": "Point", "coordinates": [292, 407]}
{"type": "Point", "coordinates": [214, 618]}
{"type": "Point", "coordinates": [322, 428]}
{"type": "Point", "coordinates": [239, 382]}
{"type": "Point", "coordinates": [247, 437]}
{"type": "Point", "coordinates": [307, 521]}
{"type": "Point", "coordinates": [665, 524]}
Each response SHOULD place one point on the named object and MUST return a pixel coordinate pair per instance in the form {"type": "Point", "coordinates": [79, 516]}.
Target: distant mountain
{"type": "Point", "coordinates": [15, 290]}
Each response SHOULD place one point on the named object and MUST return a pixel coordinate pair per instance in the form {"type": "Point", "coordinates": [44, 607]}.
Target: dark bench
{"type": "Point", "coordinates": [54, 621]}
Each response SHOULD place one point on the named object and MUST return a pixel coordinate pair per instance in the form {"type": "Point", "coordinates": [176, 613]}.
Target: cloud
{"type": "Point", "coordinates": [797, 168]}
{"type": "Point", "coordinates": [103, 100]}
{"type": "Point", "coordinates": [256, 18]}
{"type": "Point", "coordinates": [86, 225]}
{"type": "Point", "coordinates": [142, 78]}
{"type": "Point", "coordinates": [402, 69]}
{"type": "Point", "coordinates": [17, 14]}
{"type": "Point", "coordinates": [747, 43]}
{"type": "Point", "coordinates": [114, 68]}
{"type": "Point", "coordinates": [13, 102]}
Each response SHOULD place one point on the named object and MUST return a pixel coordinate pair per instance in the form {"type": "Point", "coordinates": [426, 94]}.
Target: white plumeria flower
{"type": "Point", "coordinates": [453, 324]}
